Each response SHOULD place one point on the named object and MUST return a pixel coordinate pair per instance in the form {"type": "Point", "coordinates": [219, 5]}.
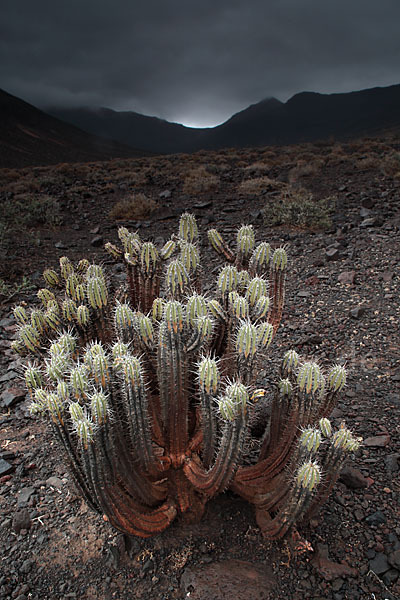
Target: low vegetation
{"type": "Point", "coordinates": [133, 208]}
{"type": "Point", "coordinates": [298, 208]}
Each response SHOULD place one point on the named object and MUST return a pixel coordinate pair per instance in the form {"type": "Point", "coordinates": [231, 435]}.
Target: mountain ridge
{"type": "Point", "coordinates": [305, 117]}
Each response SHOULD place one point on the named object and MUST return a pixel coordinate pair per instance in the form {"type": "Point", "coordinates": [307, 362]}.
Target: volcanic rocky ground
{"type": "Point", "coordinates": [342, 307]}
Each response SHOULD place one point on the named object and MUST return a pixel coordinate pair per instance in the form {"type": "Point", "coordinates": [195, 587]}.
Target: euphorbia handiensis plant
{"type": "Point", "coordinates": [153, 390]}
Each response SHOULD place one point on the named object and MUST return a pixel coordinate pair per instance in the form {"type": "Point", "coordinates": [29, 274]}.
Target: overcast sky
{"type": "Point", "coordinates": [194, 61]}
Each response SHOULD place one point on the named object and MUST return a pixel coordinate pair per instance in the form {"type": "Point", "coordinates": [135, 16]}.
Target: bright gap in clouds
{"type": "Point", "coordinates": [198, 124]}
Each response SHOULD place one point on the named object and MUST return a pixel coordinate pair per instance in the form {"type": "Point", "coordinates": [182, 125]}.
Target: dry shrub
{"type": "Point", "coordinates": [260, 185]}
{"type": "Point", "coordinates": [9, 175]}
{"type": "Point", "coordinates": [368, 162]}
{"type": "Point", "coordinates": [297, 207]}
{"type": "Point", "coordinates": [130, 177]}
{"type": "Point", "coordinates": [133, 208]}
{"type": "Point", "coordinates": [257, 168]}
{"type": "Point", "coordinates": [391, 165]}
{"type": "Point", "coordinates": [304, 169]}
{"type": "Point", "coordinates": [199, 180]}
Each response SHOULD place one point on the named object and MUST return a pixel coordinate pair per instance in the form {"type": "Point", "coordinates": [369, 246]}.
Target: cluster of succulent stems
{"type": "Point", "coordinates": [153, 390]}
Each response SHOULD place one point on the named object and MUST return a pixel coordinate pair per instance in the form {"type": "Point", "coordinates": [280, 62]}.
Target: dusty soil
{"type": "Point", "coordinates": [342, 306]}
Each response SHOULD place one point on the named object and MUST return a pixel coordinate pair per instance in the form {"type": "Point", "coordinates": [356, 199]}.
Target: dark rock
{"type": "Point", "coordinates": [148, 566]}
{"type": "Point", "coordinates": [54, 482]}
{"type": "Point", "coordinates": [6, 322]}
{"type": "Point", "coordinates": [377, 441]}
{"type": "Point", "coordinates": [8, 376]}
{"type": "Point", "coordinates": [394, 559]}
{"type": "Point", "coordinates": [5, 467]}
{"type": "Point", "coordinates": [387, 276]}
{"type": "Point", "coordinates": [12, 396]}
{"type": "Point", "coordinates": [132, 546]}
{"type": "Point", "coordinates": [60, 245]}
{"type": "Point", "coordinates": [165, 194]}
{"type": "Point", "coordinates": [25, 495]}
{"type": "Point", "coordinates": [330, 570]}
{"type": "Point", "coordinates": [364, 212]}
{"type": "Point", "coordinates": [367, 202]}
{"type": "Point", "coordinates": [377, 518]}
{"type": "Point", "coordinates": [332, 254]}
{"type": "Point", "coordinates": [26, 566]}
{"type": "Point", "coordinates": [379, 564]}
{"type": "Point", "coordinates": [228, 579]}
{"type": "Point", "coordinates": [353, 478]}
{"type": "Point", "coordinates": [392, 463]}
{"type": "Point", "coordinates": [97, 241]}
{"type": "Point", "coordinates": [357, 312]}
{"type": "Point", "coordinates": [347, 277]}
{"type": "Point", "coordinates": [113, 557]}
{"type": "Point", "coordinates": [205, 204]}
{"type": "Point", "coordinates": [372, 222]}
{"type": "Point", "coordinates": [21, 520]}
{"type": "Point", "coordinates": [390, 576]}
{"type": "Point", "coordinates": [337, 584]}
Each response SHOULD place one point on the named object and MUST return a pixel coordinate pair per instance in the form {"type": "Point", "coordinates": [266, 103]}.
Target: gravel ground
{"type": "Point", "coordinates": [342, 306]}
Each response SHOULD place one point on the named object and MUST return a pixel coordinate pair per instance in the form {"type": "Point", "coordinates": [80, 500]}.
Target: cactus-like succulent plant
{"type": "Point", "coordinates": [153, 395]}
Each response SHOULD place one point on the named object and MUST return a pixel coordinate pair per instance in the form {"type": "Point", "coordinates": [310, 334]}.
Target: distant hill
{"type": "Point", "coordinates": [309, 116]}
{"type": "Point", "coordinates": [305, 117]}
{"type": "Point", "coordinates": [29, 136]}
{"type": "Point", "coordinates": [131, 128]}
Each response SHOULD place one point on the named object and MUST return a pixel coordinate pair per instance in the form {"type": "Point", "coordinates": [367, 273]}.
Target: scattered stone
{"type": "Point", "coordinates": [364, 212]}
{"type": "Point", "coordinates": [205, 204]}
{"type": "Point", "coordinates": [353, 478]}
{"type": "Point", "coordinates": [394, 559]}
{"type": "Point", "coordinates": [379, 564]}
{"type": "Point", "coordinates": [113, 557]}
{"type": "Point", "coordinates": [95, 230]}
{"type": "Point", "coordinates": [54, 482]}
{"type": "Point", "coordinates": [392, 463]}
{"type": "Point", "coordinates": [377, 441]}
{"type": "Point", "coordinates": [60, 245]}
{"type": "Point", "coordinates": [8, 376]}
{"type": "Point", "coordinates": [304, 294]}
{"type": "Point", "coordinates": [387, 276]}
{"type": "Point", "coordinates": [97, 241]}
{"type": "Point", "coordinates": [337, 584]}
{"type": "Point", "coordinates": [21, 520]}
{"type": "Point", "coordinates": [347, 277]}
{"type": "Point", "coordinates": [313, 280]}
{"type": "Point", "coordinates": [25, 495]}
{"type": "Point", "coordinates": [390, 576]}
{"type": "Point", "coordinates": [357, 312]}
{"type": "Point", "coordinates": [377, 518]}
{"type": "Point", "coordinates": [228, 579]}
{"type": "Point", "coordinates": [332, 254]}
{"type": "Point", "coordinates": [12, 396]}
{"type": "Point", "coordinates": [5, 467]}
{"type": "Point", "coordinates": [165, 194]}
{"type": "Point", "coordinates": [6, 322]}
{"type": "Point", "coordinates": [368, 202]}
{"type": "Point", "coordinates": [371, 222]}
{"type": "Point", "coordinates": [330, 570]}
{"type": "Point", "coordinates": [27, 565]}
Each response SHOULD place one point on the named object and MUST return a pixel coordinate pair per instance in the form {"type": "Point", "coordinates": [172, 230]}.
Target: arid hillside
{"type": "Point", "coordinates": [29, 136]}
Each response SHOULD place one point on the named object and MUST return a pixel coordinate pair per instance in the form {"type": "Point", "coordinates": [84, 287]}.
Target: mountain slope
{"type": "Point", "coordinates": [131, 128]}
{"type": "Point", "coordinates": [29, 136]}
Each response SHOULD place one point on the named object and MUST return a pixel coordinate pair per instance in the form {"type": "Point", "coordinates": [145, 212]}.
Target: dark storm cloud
{"type": "Point", "coordinates": [190, 60]}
